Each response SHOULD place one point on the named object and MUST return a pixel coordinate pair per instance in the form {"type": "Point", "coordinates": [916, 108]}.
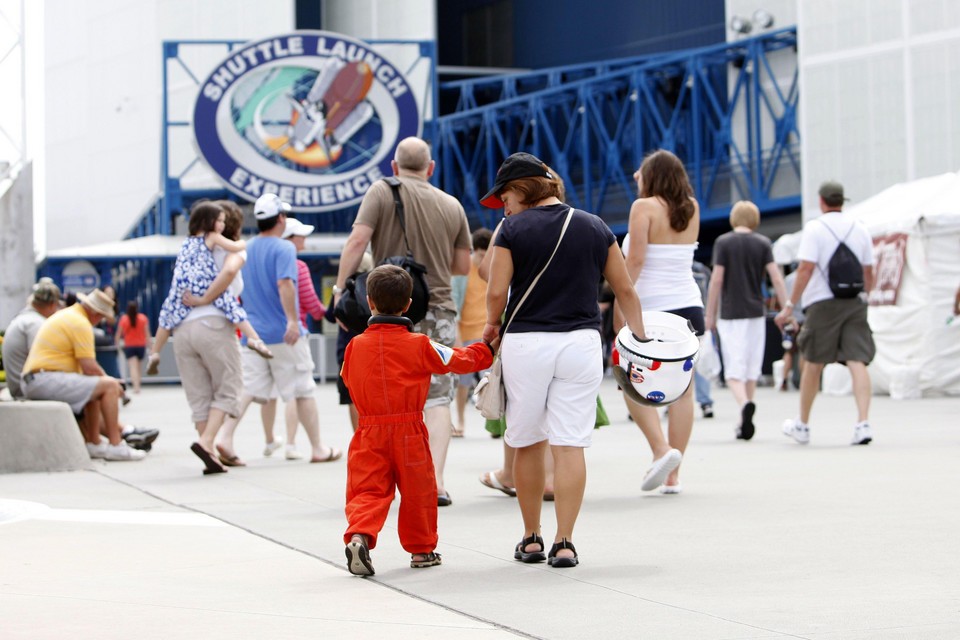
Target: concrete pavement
{"type": "Point", "coordinates": [769, 539]}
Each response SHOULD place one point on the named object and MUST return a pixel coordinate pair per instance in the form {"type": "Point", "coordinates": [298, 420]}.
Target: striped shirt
{"type": "Point", "coordinates": [309, 302]}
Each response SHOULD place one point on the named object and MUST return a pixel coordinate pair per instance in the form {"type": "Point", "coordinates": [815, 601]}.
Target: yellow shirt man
{"type": "Point", "coordinates": [65, 337]}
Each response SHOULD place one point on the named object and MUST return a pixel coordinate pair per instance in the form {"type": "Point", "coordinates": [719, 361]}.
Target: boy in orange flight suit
{"type": "Point", "coordinates": [387, 370]}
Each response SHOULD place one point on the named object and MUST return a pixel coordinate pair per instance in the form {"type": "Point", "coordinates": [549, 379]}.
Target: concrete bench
{"type": "Point", "coordinates": [40, 436]}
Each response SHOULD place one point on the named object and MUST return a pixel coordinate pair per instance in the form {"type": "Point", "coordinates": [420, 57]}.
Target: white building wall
{"type": "Point", "coordinates": [880, 99]}
{"type": "Point", "coordinates": [103, 102]}
{"type": "Point", "coordinates": [382, 19]}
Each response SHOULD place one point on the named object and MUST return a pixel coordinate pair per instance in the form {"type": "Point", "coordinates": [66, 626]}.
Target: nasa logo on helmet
{"type": "Point", "coordinates": [657, 371]}
{"type": "Point", "coordinates": [311, 116]}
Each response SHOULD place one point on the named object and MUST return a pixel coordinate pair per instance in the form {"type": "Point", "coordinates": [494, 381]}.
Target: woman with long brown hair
{"type": "Point", "coordinates": [663, 230]}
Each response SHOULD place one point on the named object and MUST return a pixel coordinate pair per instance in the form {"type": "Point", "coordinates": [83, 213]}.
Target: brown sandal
{"type": "Point", "coordinates": [431, 559]}
{"type": "Point", "coordinates": [258, 346]}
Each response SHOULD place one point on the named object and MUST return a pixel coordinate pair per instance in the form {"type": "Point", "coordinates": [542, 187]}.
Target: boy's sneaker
{"type": "Point", "coordinates": [707, 410]}
{"type": "Point", "coordinates": [98, 450]}
{"type": "Point", "coordinates": [123, 451]}
{"type": "Point", "coordinates": [797, 430]}
{"type": "Point", "coordinates": [861, 434]}
{"type": "Point", "coordinates": [358, 559]}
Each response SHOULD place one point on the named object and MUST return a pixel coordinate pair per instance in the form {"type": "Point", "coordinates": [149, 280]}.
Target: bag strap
{"type": "Point", "coordinates": [395, 183]}
{"type": "Point", "coordinates": [834, 234]}
{"type": "Point", "coordinates": [563, 231]}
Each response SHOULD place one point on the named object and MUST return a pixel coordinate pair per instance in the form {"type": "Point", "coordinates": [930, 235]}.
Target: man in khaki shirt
{"type": "Point", "coordinates": [439, 237]}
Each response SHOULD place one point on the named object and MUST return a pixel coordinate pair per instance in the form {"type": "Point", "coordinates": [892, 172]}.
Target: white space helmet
{"type": "Point", "coordinates": [657, 372]}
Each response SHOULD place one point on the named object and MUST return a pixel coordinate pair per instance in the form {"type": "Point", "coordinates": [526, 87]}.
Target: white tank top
{"type": "Point", "coordinates": [666, 280]}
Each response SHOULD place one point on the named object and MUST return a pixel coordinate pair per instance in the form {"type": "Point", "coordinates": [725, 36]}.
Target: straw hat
{"type": "Point", "coordinates": [98, 302]}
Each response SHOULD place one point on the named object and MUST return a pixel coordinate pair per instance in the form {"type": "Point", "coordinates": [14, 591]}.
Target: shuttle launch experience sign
{"type": "Point", "coordinates": [312, 116]}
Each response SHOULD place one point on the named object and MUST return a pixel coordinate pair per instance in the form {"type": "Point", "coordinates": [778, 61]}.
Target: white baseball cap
{"type": "Point", "coordinates": [269, 205]}
{"type": "Point", "coordinates": [297, 228]}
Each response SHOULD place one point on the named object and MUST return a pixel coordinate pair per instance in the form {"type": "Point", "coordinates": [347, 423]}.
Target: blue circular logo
{"type": "Point", "coordinates": [687, 365]}
{"type": "Point", "coordinates": [312, 116]}
{"type": "Point", "coordinates": [656, 396]}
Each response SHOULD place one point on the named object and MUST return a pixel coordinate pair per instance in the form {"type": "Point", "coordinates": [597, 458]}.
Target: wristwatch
{"type": "Point", "coordinates": [337, 290]}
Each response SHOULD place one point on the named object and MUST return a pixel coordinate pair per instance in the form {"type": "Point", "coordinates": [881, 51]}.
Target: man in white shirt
{"type": "Point", "coordinates": [836, 328]}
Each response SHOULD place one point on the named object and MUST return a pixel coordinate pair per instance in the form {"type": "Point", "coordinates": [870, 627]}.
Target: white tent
{"type": "Point", "coordinates": [918, 352]}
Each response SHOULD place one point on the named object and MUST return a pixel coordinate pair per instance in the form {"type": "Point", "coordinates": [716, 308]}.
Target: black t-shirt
{"type": "Point", "coordinates": [565, 297]}
{"type": "Point", "coordinates": [743, 256]}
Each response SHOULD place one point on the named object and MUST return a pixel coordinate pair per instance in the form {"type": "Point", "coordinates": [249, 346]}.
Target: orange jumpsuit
{"type": "Point", "coordinates": [387, 369]}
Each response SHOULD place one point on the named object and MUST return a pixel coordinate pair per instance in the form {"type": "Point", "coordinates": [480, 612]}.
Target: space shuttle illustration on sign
{"type": "Point", "coordinates": [331, 113]}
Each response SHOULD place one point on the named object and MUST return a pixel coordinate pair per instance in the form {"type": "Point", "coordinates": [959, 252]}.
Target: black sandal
{"type": "Point", "coordinates": [533, 556]}
{"type": "Point", "coordinates": [562, 562]}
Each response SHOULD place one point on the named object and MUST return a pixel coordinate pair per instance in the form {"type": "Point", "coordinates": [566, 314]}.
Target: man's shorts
{"type": "Point", "coordinates": [440, 325]}
{"type": "Point", "coordinates": [836, 331]}
{"type": "Point", "coordinates": [342, 386]}
{"type": "Point", "coordinates": [75, 389]}
{"type": "Point", "coordinates": [290, 369]}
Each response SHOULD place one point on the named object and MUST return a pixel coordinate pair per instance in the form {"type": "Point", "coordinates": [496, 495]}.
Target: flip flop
{"type": "Point", "coordinates": [455, 433]}
{"type": "Point", "coordinates": [489, 479]}
{"type": "Point", "coordinates": [671, 489]}
{"type": "Point", "coordinates": [229, 461]}
{"type": "Point", "coordinates": [260, 347]}
{"type": "Point", "coordinates": [153, 365]}
{"type": "Point", "coordinates": [335, 454]}
{"type": "Point", "coordinates": [212, 465]}
{"type": "Point", "coordinates": [657, 473]}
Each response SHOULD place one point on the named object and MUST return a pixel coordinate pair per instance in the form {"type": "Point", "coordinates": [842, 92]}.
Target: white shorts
{"type": "Point", "coordinates": [742, 343]}
{"type": "Point", "coordinates": [289, 373]}
{"type": "Point", "coordinates": [552, 380]}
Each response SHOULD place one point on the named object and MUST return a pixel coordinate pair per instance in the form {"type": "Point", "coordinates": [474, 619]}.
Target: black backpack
{"type": "Point", "coordinates": [844, 271]}
{"type": "Point", "coordinates": [352, 309]}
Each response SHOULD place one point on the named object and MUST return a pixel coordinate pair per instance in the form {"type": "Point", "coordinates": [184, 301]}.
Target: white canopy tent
{"type": "Point", "coordinates": [918, 352]}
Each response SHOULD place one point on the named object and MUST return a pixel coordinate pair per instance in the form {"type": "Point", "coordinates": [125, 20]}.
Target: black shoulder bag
{"type": "Point", "coordinates": [352, 309]}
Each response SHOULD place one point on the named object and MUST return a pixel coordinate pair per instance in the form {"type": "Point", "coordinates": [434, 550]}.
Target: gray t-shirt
{"type": "Point", "coordinates": [743, 257]}
{"type": "Point", "coordinates": [16, 346]}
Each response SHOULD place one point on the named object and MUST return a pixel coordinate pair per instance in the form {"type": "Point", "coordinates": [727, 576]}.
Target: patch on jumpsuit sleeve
{"type": "Point", "coordinates": [443, 351]}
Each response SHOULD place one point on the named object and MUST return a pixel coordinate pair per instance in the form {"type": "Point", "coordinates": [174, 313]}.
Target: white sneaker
{"type": "Point", "coordinates": [796, 430]}
{"type": "Point", "coordinates": [270, 448]}
{"type": "Point", "coordinates": [291, 452]}
{"type": "Point", "coordinates": [123, 451]}
{"type": "Point", "coordinates": [97, 450]}
{"type": "Point", "coordinates": [861, 434]}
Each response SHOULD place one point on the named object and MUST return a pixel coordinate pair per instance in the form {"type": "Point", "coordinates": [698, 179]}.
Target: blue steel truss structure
{"type": "Point", "coordinates": [728, 111]}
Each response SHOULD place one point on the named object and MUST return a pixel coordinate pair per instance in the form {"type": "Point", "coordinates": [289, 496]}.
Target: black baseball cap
{"type": "Point", "coordinates": [832, 193]}
{"type": "Point", "coordinates": [518, 165]}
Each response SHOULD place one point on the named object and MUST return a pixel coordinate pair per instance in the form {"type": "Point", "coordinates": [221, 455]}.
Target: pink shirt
{"type": "Point", "coordinates": [307, 295]}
